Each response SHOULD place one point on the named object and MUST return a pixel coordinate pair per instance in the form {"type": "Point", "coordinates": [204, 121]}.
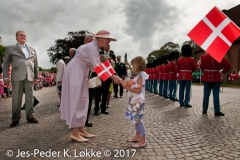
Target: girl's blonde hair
{"type": "Point", "coordinates": [139, 63]}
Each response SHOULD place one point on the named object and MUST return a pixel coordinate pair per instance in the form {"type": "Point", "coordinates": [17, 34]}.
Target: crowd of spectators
{"type": "Point", "coordinates": [46, 79]}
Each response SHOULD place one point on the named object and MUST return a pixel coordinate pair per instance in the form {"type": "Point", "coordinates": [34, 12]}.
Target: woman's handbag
{"type": "Point", "coordinates": [94, 82]}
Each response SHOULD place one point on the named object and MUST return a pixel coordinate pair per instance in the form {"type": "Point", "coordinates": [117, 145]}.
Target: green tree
{"type": "Point", "coordinates": [53, 70]}
{"type": "Point", "coordinates": [152, 56]}
{"type": "Point", "coordinates": [165, 49]}
{"type": "Point", "coordinates": [40, 68]}
{"type": "Point", "coordinates": [2, 50]}
{"type": "Point", "coordinates": [191, 43]}
{"type": "Point", "coordinates": [170, 46]}
{"type": "Point", "coordinates": [73, 40]}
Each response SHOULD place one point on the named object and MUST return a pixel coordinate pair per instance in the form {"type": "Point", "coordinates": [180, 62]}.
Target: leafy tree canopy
{"type": "Point", "coordinates": [154, 55]}
{"type": "Point", "coordinates": [40, 68]}
{"type": "Point", "coordinates": [2, 50]}
{"type": "Point", "coordinates": [170, 46]}
{"type": "Point", "coordinates": [53, 70]}
{"type": "Point", "coordinates": [73, 40]}
{"type": "Point", "coordinates": [165, 49]}
{"type": "Point", "coordinates": [191, 43]}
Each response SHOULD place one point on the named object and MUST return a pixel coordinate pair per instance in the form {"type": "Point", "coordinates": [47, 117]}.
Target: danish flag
{"type": "Point", "coordinates": [215, 33]}
{"type": "Point", "coordinates": [104, 70]}
{"type": "Point", "coordinates": [233, 76]}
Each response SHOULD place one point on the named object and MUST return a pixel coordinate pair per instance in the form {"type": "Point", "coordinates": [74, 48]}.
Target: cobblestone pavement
{"type": "Point", "coordinates": [172, 132]}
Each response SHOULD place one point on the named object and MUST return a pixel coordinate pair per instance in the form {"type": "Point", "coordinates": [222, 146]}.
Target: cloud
{"type": "Point", "coordinates": [146, 20]}
{"type": "Point", "coordinates": [140, 26]}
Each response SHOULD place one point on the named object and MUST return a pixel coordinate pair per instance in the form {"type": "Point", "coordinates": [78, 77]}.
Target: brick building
{"type": "Point", "coordinates": [233, 54]}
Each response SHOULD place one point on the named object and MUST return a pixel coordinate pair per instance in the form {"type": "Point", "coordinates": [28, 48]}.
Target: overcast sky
{"type": "Point", "coordinates": [140, 26]}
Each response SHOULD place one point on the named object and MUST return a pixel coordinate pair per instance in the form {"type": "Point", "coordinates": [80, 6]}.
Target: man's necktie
{"type": "Point", "coordinates": [22, 48]}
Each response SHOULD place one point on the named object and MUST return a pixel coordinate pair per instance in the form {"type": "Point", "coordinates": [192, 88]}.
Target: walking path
{"type": "Point", "coordinates": [172, 132]}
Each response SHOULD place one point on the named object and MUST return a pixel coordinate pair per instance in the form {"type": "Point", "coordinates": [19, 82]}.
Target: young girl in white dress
{"type": "Point", "coordinates": [136, 114]}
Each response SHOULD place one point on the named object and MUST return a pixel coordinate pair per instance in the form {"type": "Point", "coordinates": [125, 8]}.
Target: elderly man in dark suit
{"type": "Point", "coordinates": [24, 73]}
{"type": "Point", "coordinates": [121, 71]}
{"type": "Point", "coordinates": [102, 92]}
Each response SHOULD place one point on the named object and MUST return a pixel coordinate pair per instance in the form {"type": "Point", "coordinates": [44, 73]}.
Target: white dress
{"type": "Point", "coordinates": [135, 111]}
{"type": "Point", "coordinates": [74, 99]}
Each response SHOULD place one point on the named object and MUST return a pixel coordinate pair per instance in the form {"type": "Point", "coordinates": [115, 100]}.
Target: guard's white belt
{"type": "Point", "coordinates": [212, 70]}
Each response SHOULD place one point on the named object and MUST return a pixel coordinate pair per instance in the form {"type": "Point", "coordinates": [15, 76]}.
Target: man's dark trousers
{"type": "Point", "coordinates": [116, 90]}
{"type": "Point", "coordinates": [102, 91]}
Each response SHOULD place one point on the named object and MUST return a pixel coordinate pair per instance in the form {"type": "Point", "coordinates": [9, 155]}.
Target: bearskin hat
{"type": "Point", "coordinates": [160, 61]}
{"type": "Point", "coordinates": [166, 58]}
{"type": "Point", "coordinates": [173, 55]}
{"type": "Point", "coordinates": [186, 50]}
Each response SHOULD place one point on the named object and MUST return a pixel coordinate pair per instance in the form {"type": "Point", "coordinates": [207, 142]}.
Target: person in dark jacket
{"type": "Point", "coordinates": [120, 69]}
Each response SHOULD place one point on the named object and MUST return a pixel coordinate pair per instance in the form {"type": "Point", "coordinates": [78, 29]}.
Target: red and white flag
{"type": "Point", "coordinates": [104, 70]}
{"type": "Point", "coordinates": [215, 33]}
{"type": "Point", "coordinates": [233, 76]}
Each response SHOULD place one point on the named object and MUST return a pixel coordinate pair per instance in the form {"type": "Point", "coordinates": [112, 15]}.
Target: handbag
{"type": "Point", "coordinates": [94, 82]}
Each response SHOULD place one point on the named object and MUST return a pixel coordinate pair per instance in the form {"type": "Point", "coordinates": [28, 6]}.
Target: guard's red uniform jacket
{"type": "Point", "coordinates": [155, 73]}
{"type": "Point", "coordinates": [147, 71]}
{"type": "Point", "coordinates": [172, 71]}
{"type": "Point", "coordinates": [166, 72]}
{"type": "Point", "coordinates": [185, 66]}
{"type": "Point", "coordinates": [160, 71]}
{"type": "Point", "coordinates": [212, 68]}
{"type": "Point", "coordinates": [150, 73]}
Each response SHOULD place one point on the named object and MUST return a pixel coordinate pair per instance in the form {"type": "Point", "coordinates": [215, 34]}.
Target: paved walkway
{"type": "Point", "coordinates": [172, 132]}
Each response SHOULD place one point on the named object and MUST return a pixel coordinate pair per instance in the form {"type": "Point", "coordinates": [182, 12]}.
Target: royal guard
{"type": "Point", "coordinates": [186, 65]}
{"type": "Point", "coordinates": [173, 75]}
{"type": "Point", "coordinates": [212, 75]}
{"type": "Point", "coordinates": [155, 77]}
{"type": "Point", "coordinates": [150, 78]}
{"type": "Point", "coordinates": [147, 80]}
{"type": "Point", "coordinates": [161, 72]}
{"type": "Point", "coordinates": [120, 69]}
{"type": "Point", "coordinates": [165, 76]}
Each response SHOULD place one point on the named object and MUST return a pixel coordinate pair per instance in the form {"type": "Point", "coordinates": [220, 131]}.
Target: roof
{"type": "Point", "coordinates": [233, 14]}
